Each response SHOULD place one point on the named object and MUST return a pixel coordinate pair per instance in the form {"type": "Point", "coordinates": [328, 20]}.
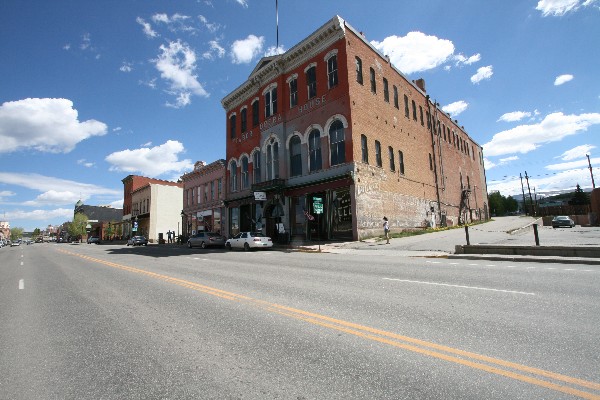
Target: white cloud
{"type": "Point", "coordinates": [211, 26]}
{"type": "Point", "coordinates": [152, 162]}
{"type": "Point", "coordinates": [126, 67]}
{"type": "Point", "coordinates": [85, 163]}
{"type": "Point", "coordinates": [461, 59]}
{"type": "Point", "coordinates": [6, 193]}
{"type": "Point", "coordinates": [572, 164]}
{"type": "Point", "coordinates": [576, 152]}
{"type": "Point", "coordinates": [562, 79]}
{"type": "Point", "coordinates": [558, 8]}
{"type": "Point", "coordinates": [147, 28]}
{"type": "Point", "coordinates": [488, 164]}
{"type": "Point", "coordinates": [47, 125]}
{"type": "Point", "coordinates": [177, 64]}
{"type": "Point", "coordinates": [416, 51]}
{"type": "Point", "coordinates": [559, 182]}
{"type": "Point", "coordinates": [503, 161]}
{"type": "Point", "coordinates": [274, 51]}
{"type": "Point", "coordinates": [56, 190]}
{"type": "Point", "coordinates": [243, 51]}
{"type": "Point", "coordinates": [41, 215]}
{"type": "Point", "coordinates": [455, 108]}
{"type": "Point", "coordinates": [174, 23]}
{"type": "Point", "coordinates": [215, 50]}
{"type": "Point", "coordinates": [525, 138]}
{"type": "Point", "coordinates": [514, 116]}
{"type": "Point", "coordinates": [243, 3]}
{"type": "Point", "coordinates": [482, 73]}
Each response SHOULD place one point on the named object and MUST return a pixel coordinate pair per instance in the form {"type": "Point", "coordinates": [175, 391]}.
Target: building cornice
{"type": "Point", "coordinates": [325, 36]}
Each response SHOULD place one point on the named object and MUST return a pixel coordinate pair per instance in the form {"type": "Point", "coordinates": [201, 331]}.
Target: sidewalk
{"type": "Point", "coordinates": [512, 231]}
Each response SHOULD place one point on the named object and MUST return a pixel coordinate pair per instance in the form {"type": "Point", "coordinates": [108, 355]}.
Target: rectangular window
{"type": "Point", "coordinates": [256, 166]}
{"type": "Point", "coordinates": [396, 97]}
{"type": "Point", "coordinates": [359, 72]}
{"type": "Point", "coordinates": [205, 192]}
{"type": "Point", "coordinates": [421, 115]}
{"type": "Point", "coordinates": [378, 153]}
{"type": "Point", "coordinates": [243, 122]}
{"type": "Point", "coordinates": [406, 111]}
{"type": "Point", "coordinates": [232, 126]}
{"type": "Point", "coordinates": [365, 149]}
{"type": "Point", "coordinates": [271, 102]}
{"type": "Point", "coordinates": [220, 187]}
{"type": "Point", "coordinates": [386, 91]}
{"type": "Point", "coordinates": [212, 190]}
{"type": "Point", "coordinates": [311, 82]}
{"type": "Point", "coordinates": [392, 161]}
{"type": "Point", "coordinates": [332, 71]}
{"type": "Point", "coordinates": [414, 110]}
{"type": "Point", "coordinates": [255, 116]}
{"type": "Point", "coordinates": [373, 83]}
{"type": "Point", "coordinates": [401, 161]}
{"type": "Point", "coordinates": [430, 162]}
{"type": "Point", "coordinates": [293, 92]}
{"type": "Point", "coordinates": [295, 156]}
{"type": "Point", "coordinates": [314, 148]}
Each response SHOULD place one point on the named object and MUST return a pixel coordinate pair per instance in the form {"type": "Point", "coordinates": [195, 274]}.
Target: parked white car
{"type": "Point", "coordinates": [248, 241]}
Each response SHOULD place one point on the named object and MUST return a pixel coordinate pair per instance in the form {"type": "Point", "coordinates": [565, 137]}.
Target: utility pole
{"type": "Point", "coordinates": [529, 189]}
{"type": "Point", "coordinates": [523, 191]}
{"type": "Point", "coordinates": [591, 173]}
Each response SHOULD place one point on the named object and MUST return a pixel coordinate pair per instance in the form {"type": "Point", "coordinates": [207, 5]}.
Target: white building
{"type": "Point", "coordinates": [156, 208]}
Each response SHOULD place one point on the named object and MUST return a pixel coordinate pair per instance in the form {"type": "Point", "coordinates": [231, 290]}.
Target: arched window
{"type": "Point", "coordinates": [314, 150]}
{"type": "Point", "coordinates": [295, 156]}
{"type": "Point", "coordinates": [244, 173]}
{"type": "Point", "coordinates": [233, 176]}
{"type": "Point", "coordinates": [337, 143]}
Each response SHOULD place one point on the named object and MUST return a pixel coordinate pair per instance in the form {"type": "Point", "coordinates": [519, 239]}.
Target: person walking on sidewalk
{"type": "Point", "coordinates": [386, 230]}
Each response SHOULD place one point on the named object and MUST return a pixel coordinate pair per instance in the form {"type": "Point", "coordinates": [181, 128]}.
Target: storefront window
{"type": "Point", "coordinates": [235, 221]}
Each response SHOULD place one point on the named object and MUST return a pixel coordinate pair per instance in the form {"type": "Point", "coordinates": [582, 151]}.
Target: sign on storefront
{"type": "Point", "coordinates": [318, 205]}
{"type": "Point", "coordinates": [260, 196]}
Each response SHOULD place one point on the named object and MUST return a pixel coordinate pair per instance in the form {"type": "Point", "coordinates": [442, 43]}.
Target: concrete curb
{"type": "Point", "coordinates": [536, 259]}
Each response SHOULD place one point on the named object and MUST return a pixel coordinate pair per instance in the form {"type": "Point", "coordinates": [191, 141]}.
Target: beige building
{"type": "Point", "coordinates": [156, 209]}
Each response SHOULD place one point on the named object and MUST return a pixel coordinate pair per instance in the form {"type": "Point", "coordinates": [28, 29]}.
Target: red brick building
{"type": "Point", "coordinates": [203, 198]}
{"type": "Point", "coordinates": [329, 137]}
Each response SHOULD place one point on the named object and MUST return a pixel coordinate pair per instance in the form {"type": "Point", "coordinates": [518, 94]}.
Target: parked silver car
{"type": "Point", "coordinates": [137, 241]}
{"type": "Point", "coordinates": [206, 239]}
{"type": "Point", "coordinates": [562, 220]}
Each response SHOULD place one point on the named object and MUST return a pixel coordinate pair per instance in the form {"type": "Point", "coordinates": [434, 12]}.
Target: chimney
{"type": "Point", "coordinates": [421, 84]}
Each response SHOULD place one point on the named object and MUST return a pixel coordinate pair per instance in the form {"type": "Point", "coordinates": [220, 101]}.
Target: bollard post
{"type": "Point", "coordinates": [535, 233]}
{"type": "Point", "coordinates": [467, 234]}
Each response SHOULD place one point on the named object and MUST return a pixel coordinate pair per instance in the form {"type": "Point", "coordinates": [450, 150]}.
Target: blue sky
{"type": "Point", "coordinates": [92, 91]}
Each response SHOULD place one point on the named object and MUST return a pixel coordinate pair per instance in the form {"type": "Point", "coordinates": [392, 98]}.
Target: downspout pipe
{"type": "Point", "coordinates": [431, 130]}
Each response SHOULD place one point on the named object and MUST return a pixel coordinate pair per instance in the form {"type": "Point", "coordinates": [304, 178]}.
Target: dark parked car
{"type": "Point", "coordinates": [93, 239]}
{"type": "Point", "coordinates": [137, 241]}
{"type": "Point", "coordinates": [562, 220]}
{"type": "Point", "coordinates": [206, 239]}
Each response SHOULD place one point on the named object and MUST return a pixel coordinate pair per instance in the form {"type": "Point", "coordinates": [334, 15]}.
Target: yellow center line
{"type": "Point", "coordinates": [389, 338]}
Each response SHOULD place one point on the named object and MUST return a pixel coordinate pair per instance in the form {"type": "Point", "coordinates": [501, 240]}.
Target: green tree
{"type": "Point", "coordinates": [580, 197]}
{"type": "Point", "coordinates": [77, 227]}
{"type": "Point", "coordinates": [511, 204]}
{"type": "Point", "coordinates": [496, 203]}
{"type": "Point", "coordinates": [16, 233]}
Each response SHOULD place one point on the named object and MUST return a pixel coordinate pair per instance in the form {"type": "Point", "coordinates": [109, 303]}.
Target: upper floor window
{"type": "Point", "coordinates": [373, 83]}
{"type": "Point", "coordinates": [359, 71]}
{"type": "Point", "coordinates": [392, 161]}
{"type": "Point", "coordinates": [233, 176]}
{"type": "Point", "coordinates": [244, 119]}
{"type": "Point", "coordinates": [337, 143]}
{"type": "Point", "coordinates": [406, 110]}
{"type": "Point", "coordinates": [332, 71]}
{"type": "Point", "coordinates": [364, 146]}
{"type": "Point", "coordinates": [295, 156]}
{"type": "Point", "coordinates": [414, 110]}
{"type": "Point", "coordinates": [205, 192]}
{"type": "Point", "coordinates": [255, 116]}
{"type": "Point", "coordinates": [232, 123]}
{"type": "Point", "coordinates": [421, 116]}
{"type": "Point", "coordinates": [212, 190]}
{"type": "Point", "coordinates": [430, 162]}
{"type": "Point", "coordinates": [256, 166]}
{"type": "Point", "coordinates": [311, 81]}
{"type": "Point", "coordinates": [396, 97]}
{"type": "Point", "coordinates": [378, 153]}
{"type": "Point", "coordinates": [245, 182]}
{"type": "Point", "coordinates": [314, 150]}
{"type": "Point", "coordinates": [386, 91]}
{"type": "Point", "coordinates": [271, 101]}
{"type": "Point", "coordinates": [272, 161]}
{"type": "Point", "coordinates": [401, 161]}
{"type": "Point", "coordinates": [293, 83]}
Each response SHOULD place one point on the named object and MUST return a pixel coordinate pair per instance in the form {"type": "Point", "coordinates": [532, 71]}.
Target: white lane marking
{"type": "Point", "coordinates": [551, 268]}
{"type": "Point", "coordinates": [21, 284]}
{"type": "Point", "coordinates": [433, 262]}
{"type": "Point", "coordinates": [460, 286]}
{"type": "Point", "coordinates": [490, 265]}
{"type": "Point", "coordinates": [21, 263]}
{"type": "Point", "coordinates": [511, 266]}
{"type": "Point", "coordinates": [586, 270]}
{"type": "Point", "coordinates": [570, 269]}
{"type": "Point", "coordinates": [453, 263]}
{"type": "Point", "coordinates": [474, 265]}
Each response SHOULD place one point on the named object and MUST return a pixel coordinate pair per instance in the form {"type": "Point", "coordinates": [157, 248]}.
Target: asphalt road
{"type": "Point", "coordinates": [115, 322]}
